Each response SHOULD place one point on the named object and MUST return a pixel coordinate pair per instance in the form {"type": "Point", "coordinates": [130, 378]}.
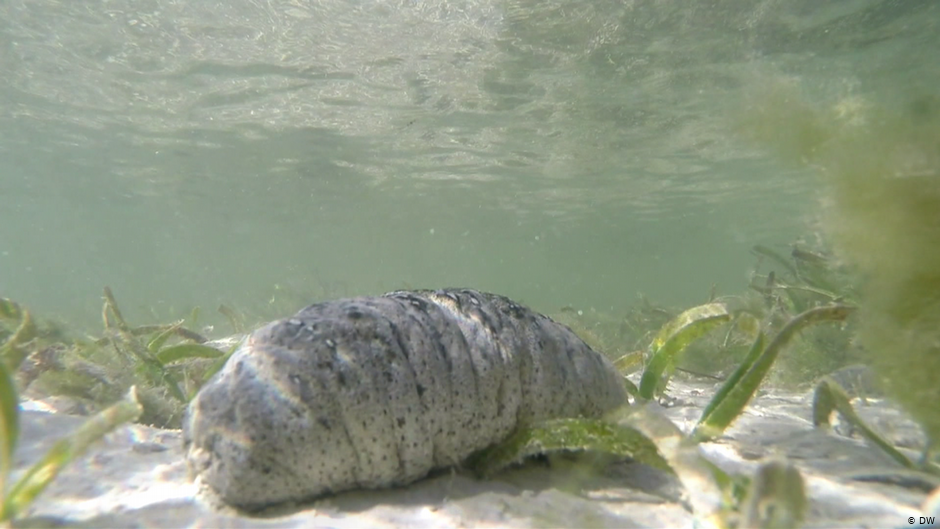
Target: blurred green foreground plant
{"type": "Point", "coordinates": [14, 499]}
{"type": "Point", "coordinates": [83, 369]}
{"type": "Point", "coordinates": [168, 363]}
{"type": "Point", "coordinates": [881, 165]}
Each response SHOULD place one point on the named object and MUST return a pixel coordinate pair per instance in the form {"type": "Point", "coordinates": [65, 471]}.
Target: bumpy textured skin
{"type": "Point", "coordinates": [373, 392]}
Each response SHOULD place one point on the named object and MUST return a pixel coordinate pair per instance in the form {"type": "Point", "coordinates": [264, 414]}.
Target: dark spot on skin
{"type": "Point", "coordinates": [401, 422]}
{"type": "Point", "coordinates": [341, 378]}
{"type": "Point", "coordinates": [324, 422]}
{"type": "Point", "coordinates": [354, 314]}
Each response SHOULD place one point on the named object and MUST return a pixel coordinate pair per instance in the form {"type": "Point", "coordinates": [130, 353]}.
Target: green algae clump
{"type": "Point", "coordinates": [881, 164]}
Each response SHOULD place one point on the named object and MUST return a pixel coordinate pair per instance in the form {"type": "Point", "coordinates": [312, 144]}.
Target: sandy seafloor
{"type": "Point", "coordinates": [137, 477]}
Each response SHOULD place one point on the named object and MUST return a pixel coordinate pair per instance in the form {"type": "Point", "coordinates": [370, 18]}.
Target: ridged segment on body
{"type": "Point", "coordinates": [377, 391]}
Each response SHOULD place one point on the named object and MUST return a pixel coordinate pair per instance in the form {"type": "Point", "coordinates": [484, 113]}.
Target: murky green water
{"type": "Point", "coordinates": [561, 153]}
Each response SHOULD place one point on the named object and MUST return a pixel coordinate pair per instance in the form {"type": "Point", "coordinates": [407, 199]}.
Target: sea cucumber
{"type": "Point", "coordinates": [373, 392]}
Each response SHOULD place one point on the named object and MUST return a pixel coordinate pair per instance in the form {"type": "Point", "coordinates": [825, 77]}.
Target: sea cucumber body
{"type": "Point", "coordinates": [373, 392]}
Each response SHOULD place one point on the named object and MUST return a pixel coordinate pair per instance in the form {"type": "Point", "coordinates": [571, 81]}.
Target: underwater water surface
{"type": "Point", "coordinates": [563, 153]}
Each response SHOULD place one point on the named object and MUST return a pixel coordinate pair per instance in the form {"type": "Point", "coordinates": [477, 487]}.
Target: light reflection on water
{"type": "Point", "coordinates": [559, 152]}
